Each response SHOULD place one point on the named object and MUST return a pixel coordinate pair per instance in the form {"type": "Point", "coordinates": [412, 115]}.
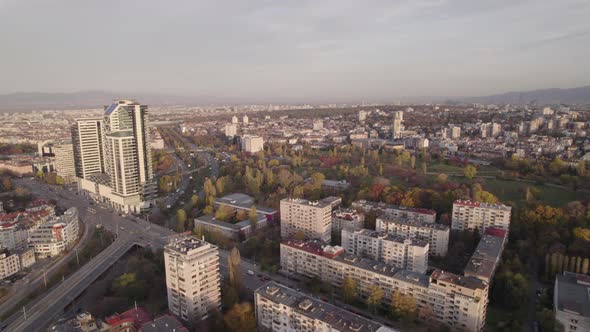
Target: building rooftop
{"type": "Point", "coordinates": [483, 205]}
{"type": "Point", "coordinates": [391, 237]}
{"type": "Point", "coordinates": [403, 221]}
{"type": "Point", "coordinates": [165, 323]}
{"type": "Point", "coordinates": [339, 319]}
{"type": "Point", "coordinates": [242, 201]}
{"type": "Point", "coordinates": [137, 316]}
{"type": "Point", "coordinates": [184, 244]}
{"type": "Point", "coordinates": [210, 219]}
{"type": "Point", "coordinates": [328, 201]}
{"type": "Point", "coordinates": [385, 206]}
{"type": "Point", "coordinates": [572, 294]}
{"type": "Point", "coordinates": [459, 280]}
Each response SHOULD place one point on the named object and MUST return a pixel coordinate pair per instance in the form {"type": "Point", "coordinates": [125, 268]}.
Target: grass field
{"type": "Point", "coordinates": [513, 191]}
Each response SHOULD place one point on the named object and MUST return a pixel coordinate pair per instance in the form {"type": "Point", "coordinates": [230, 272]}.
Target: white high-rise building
{"type": "Point", "coordinates": [252, 143]}
{"type": "Point", "coordinates": [409, 254]}
{"type": "Point", "coordinates": [318, 124]}
{"type": "Point", "coordinates": [455, 132]}
{"type": "Point", "coordinates": [398, 118]}
{"type": "Point", "coordinates": [117, 169]}
{"type": "Point", "coordinates": [192, 278]}
{"type": "Point", "coordinates": [231, 129]}
{"type": "Point", "coordinates": [64, 161]}
{"type": "Point", "coordinates": [362, 116]}
{"type": "Point", "coordinates": [234, 119]}
{"type": "Point", "coordinates": [468, 215]}
{"type": "Point", "coordinates": [87, 140]}
{"type": "Point", "coordinates": [312, 218]}
{"type": "Point", "coordinates": [245, 119]}
{"type": "Point", "coordinates": [496, 129]}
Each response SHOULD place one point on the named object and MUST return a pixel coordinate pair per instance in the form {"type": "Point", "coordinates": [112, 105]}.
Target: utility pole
{"type": "Point", "coordinates": [25, 312]}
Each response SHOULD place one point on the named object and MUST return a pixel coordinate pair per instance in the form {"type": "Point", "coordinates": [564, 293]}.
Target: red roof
{"type": "Point", "coordinates": [312, 247]}
{"type": "Point", "coordinates": [137, 317]}
{"type": "Point", "coordinates": [497, 232]}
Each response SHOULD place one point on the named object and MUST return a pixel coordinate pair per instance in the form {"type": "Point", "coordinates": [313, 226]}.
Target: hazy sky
{"type": "Point", "coordinates": [296, 49]}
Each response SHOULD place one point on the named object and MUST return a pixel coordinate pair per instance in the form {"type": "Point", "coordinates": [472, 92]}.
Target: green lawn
{"type": "Point", "coordinates": [515, 191]}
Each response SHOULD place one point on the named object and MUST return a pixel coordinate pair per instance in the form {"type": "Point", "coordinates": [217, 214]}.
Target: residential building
{"type": "Point", "coordinates": [113, 157]}
{"type": "Point", "coordinates": [16, 227]}
{"type": "Point", "coordinates": [279, 308]}
{"type": "Point", "coordinates": [231, 130]}
{"type": "Point", "coordinates": [9, 265]}
{"type": "Point", "coordinates": [56, 235]}
{"type": "Point", "coordinates": [245, 119]}
{"type": "Point", "coordinates": [238, 231]}
{"type": "Point", "coordinates": [460, 302]}
{"type": "Point", "coordinates": [455, 132]}
{"type": "Point", "coordinates": [468, 215]}
{"type": "Point", "coordinates": [397, 127]}
{"type": "Point", "coordinates": [164, 323]}
{"type": "Point", "coordinates": [87, 140]}
{"type": "Point", "coordinates": [192, 278]}
{"type": "Point", "coordinates": [311, 218]}
{"type": "Point", "coordinates": [347, 219]}
{"type": "Point", "coordinates": [396, 211]}
{"type": "Point", "coordinates": [362, 116]}
{"type": "Point", "coordinates": [487, 255]}
{"type": "Point", "coordinates": [64, 161]}
{"type": "Point", "coordinates": [571, 301]}
{"type": "Point", "coordinates": [234, 119]}
{"type": "Point", "coordinates": [403, 253]}
{"type": "Point", "coordinates": [436, 235]}
{"type": "Point", "coordinates": [318, 124]}
{"type": "Point", "coordinates": [252, 143]}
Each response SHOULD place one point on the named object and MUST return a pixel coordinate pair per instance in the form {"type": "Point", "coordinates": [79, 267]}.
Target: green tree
{"type": "Point", "coordinates": [375, 297]}
{"type": "Point", "coordinates": [240, 318]}
{"type": "Point", "coordinates": [194, 200]}
{"type": "Point", "coordinates": [470, 172]}
{"type": "Point", "coordinates": [233, 264]}
{"type": "Point", "coordinates": [442, 178]}
{"type": "Point", "coordinates": [349, 289]}
{"type": "Point", "coordinates": [180, 220]}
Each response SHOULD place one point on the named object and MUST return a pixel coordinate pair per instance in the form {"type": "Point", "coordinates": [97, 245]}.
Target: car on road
{"type": "Point", "coordinates": [250, 272]}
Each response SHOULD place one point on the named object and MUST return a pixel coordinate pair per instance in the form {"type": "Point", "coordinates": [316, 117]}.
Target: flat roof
{"type": "Point", "coordinates": [242, 201]}
{"type": "Point", "coordinates": [483, 205]}
{"type": "Point", "coordinates": [384, 206]}
{"type": "Point", "coordinates": [186, 243]}
{"type": "Point", "coordinates": [402, 221]}
{"type": "Point", "coordinates": [210, 219]}
{"type": "Point", "coordinates": [322, 203]}
{"type": "Point", "coordinates": [389, 237]}
{"type": "Point", "coordinates": [572, 292]}
{"type": "Point", "coordinates": [459, 280]}
{"type": "Point", "coordinates": [338, 318]}
{"type": "Point", "coordinates": [164, 323]}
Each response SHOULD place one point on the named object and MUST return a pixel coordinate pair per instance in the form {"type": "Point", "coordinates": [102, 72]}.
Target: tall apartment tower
{"type": "Point", "coordinates": [192, 278]}
{"type": "Point", "coordinates": [128, 157]}
{"type": "Point", "coordinates": [87, 140]}
{"type": "Point", "coordinates": [312, 218]}
{"type": "Point", "coordinates": [64, 161]}
{"type": "Point", "coordinates": [398, 118]}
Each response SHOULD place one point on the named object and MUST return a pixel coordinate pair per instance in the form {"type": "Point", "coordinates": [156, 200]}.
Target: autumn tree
{"type": "Point", "coordinates": [240, 318]}
{"type": "Point", "coordinates": [581, 168]}
{"type": "Point", "coordinates": [375, 297]}
{"type": "Point", "coordinates": [556, 166]}
{"type": "Point", "coordinates": [470, 172]}
{"type": "Point", "coordinates": [233, 264]}
{"type": "Point", "coordinates": [403, 306]}
{"type": "Point", "coordinates": [349, 289]}
{"type": "Point", "coordinates": [253, 216]}
{"type": "Point", "coordinates": [180, 220]}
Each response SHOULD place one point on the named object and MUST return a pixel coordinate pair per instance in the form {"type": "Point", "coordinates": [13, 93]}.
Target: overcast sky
{"type": "Point", "coordinates": [295, 49]}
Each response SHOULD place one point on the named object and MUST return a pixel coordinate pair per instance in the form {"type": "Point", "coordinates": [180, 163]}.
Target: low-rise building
{"type": "Point", "coordinates": [279, 308]}
{"type": "Point", "coordinates": [409, 254]}
{"type": "Point", "coordinates": [396, 211]}
{"type": "Point", "coordinates": [56, 235]}
{"type": "Point", "coordinates": [437, 235]}
{"type": "Point", "coordinates": [15, 228]}
{"type": "Point", "coordinates": [244, 202]}
{"type": "Point", "coordinates": [468, 215]}
{"type": "Point", "coordinates": [571, 301]}
{"type": "Point", "coordinates": [237, 231]}
{"type": "Point", "coordinates": [347, 219]}
{"type": "Point", "coordinates": [9, 265]}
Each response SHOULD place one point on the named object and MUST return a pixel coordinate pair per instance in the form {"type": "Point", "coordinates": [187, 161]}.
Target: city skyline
{"type": "Point", "coordinates": [296, 50]}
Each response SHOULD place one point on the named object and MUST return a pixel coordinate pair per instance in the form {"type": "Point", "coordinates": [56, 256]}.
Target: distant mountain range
{"type": "Point", "coordinates": [580, 95]}
{"type": "Point", "coordinates": [94, 99]}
